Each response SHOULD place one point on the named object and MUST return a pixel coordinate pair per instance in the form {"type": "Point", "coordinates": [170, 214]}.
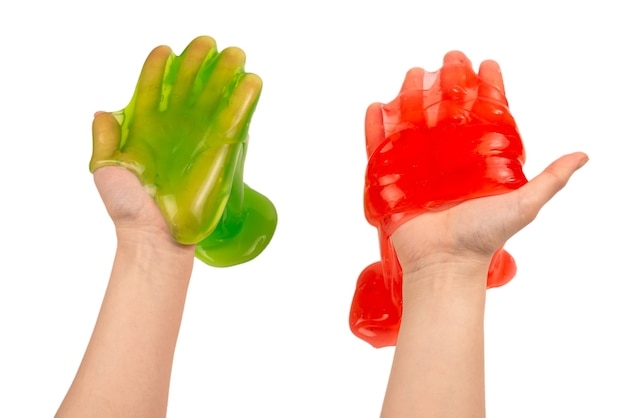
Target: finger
{"type": "Point", "coordinates": [150, 85]}
{"type": "Point", "coordinates": [456, 79]}
{"type": "Point", "coordinates": [542, 188]}
{"type": "Point", "coordinates": [491, 103]}
{"type": "Point", "coordinates": [456, 76]}
{"type": "Point", "coordinates": [217, 79]}
{"type": "Point", "coordinates": [414, 79]}
{"type": "Point", "coordinates": [490, 72]}
{"type": "Point", "coordinates": [412, 99]}
{"type": "Point", "coordinates": [106, 135]}
{"type": "Point", "coordinates": [374, 130]}
{"type": "Point", "coordinates": [199, 51]}
{"type": "Point", "coordinates": [234, 114]}
{"type": "Point", "coordinates": [205, 192]}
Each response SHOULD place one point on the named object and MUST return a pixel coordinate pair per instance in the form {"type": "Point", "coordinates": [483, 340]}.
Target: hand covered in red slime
{"type": "Point", "coordinates": [446, 138]}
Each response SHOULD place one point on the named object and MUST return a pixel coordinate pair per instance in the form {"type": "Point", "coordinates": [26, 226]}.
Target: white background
{"type": "Point", "coordinates": [270, 338]}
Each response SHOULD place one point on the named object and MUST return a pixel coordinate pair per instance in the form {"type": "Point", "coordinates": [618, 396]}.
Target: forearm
{"type": "Point", "coordinates": [438, 367]}
{"type": "Point", "coordinates": [127, 365]}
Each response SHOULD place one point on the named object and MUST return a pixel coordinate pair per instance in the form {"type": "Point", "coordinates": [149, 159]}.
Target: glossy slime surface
{"type": "Point", "coordinates": [446, 138]}
{"type": "Point", "coordinates": [185, 135]}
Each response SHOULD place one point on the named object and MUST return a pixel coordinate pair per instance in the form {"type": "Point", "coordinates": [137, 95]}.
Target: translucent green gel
{"type": "Point", "coordinates": [184, 134]}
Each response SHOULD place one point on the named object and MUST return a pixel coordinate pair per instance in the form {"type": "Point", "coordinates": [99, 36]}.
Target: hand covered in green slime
{"type": "Point", "coordinates": [184, 134]}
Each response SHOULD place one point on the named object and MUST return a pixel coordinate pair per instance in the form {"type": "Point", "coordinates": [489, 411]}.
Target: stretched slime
{"type": "Point", "coordinates": [185, 135]}
{"type": "Point", "coordinates": [446, 138]}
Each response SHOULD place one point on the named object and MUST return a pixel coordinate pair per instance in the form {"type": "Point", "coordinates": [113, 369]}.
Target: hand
{"type": "Point", "coordinates": [447, 138]}
{"type": "Point", "coordinates": [474, 230]}
{"type": "Point", "coordinates": [184, 134]}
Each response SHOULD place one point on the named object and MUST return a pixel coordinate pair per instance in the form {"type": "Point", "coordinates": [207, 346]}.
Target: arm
{"type": "Point", "coordinates": [438, 367]}
{"type": "Point", "coordinates": [438, 364]}
{"type": "Point", "coordinates": [183, 137]}
{"type": "Point", "coordinates": [127, 365]}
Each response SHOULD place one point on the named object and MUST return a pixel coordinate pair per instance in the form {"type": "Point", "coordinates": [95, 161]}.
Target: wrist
{"type": "Point", "coordinates": [443, 298]}
{"type": "Point", "coordinates": [153, 245]}
{"type": "Point", "coordinates": [442, 274]}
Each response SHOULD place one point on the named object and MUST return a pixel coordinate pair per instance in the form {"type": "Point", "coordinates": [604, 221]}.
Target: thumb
{"type": "Point", "coordinates": [542, 188]}
{"type": "Point", "coordinates": [106, 135]}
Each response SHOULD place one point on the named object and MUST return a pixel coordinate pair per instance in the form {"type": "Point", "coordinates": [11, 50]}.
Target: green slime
{"type": "Point", "coordinates": [185, 135]}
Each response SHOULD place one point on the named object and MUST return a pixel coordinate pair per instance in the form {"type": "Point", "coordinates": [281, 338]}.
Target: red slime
{"type": "Point", "coordinates": [446, 138]}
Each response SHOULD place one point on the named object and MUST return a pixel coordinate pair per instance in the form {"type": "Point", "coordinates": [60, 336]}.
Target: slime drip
{"type": "Point", "coordinates": [447, 137]}
{"type": "Point", "coordinates": [185, 135]}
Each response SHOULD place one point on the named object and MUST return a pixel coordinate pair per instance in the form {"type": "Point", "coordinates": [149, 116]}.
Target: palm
{"type": "Point", "coordinates": [476, 228]}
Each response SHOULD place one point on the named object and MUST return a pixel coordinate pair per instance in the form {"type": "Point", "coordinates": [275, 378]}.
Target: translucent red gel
{"type": "Point", "coordinates": [448, 137]}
